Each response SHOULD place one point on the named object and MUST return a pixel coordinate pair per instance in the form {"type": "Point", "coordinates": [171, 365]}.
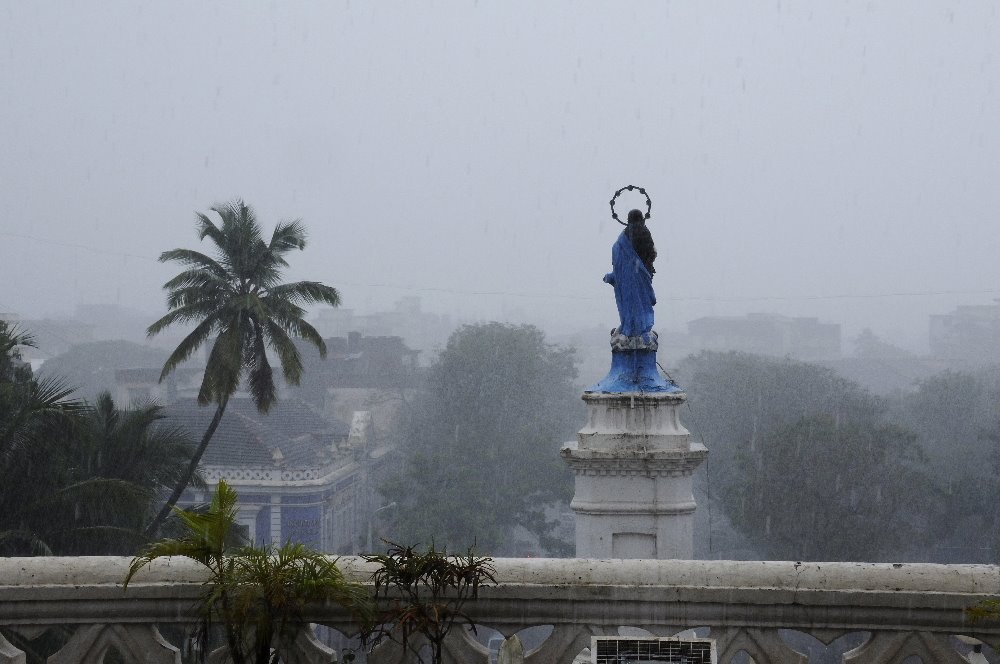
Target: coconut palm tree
{"type": "Point", "coordinates": [239, 306]}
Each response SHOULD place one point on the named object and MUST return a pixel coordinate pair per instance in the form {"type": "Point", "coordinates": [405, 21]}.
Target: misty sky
{"type": "Point", "coordinates": [803, 157]}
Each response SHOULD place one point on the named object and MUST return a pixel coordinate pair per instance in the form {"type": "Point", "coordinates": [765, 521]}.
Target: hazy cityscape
{"type": "Point", "coordinates": [342, 277]}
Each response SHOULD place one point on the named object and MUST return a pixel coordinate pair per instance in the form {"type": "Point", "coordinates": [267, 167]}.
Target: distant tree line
{"type": "Point", "coordinates": [806, 465]}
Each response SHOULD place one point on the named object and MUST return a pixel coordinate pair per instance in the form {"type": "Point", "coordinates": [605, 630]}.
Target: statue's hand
{"type": "Point", "coordinates": [609, 278]}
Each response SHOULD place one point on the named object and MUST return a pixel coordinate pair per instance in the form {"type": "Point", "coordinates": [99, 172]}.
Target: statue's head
{"type": "Point", "coordinates": [635, 217]}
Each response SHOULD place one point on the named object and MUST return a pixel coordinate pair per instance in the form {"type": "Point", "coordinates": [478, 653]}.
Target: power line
{"type": "Point", "coordinates": [837, 296]}
{"type": "Point", "coordinates": [565, 296]}
{"type": "Point", "coordinates": [692, 298]}
{"type": "Point", "coordinates": [74, 245]}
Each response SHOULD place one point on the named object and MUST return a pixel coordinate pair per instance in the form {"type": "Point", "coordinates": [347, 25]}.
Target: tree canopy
{"type": "Point", "coordinates": [480, 443]}
{"type": "Point", "coordinates": [954, 415]}
{"type": "Point", "coordinates": [826, 488]}
{"type": "Point", "coordinates": [79, 478]}
{"type": "Point", "coordinates": [784, 440]}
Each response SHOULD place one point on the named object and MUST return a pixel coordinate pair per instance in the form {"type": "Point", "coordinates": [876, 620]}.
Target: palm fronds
{"type": "Point", "coordinates": [258, 594]}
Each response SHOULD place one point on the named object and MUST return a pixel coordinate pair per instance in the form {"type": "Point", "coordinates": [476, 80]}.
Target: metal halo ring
{"type": "Point", "coordinates": [630, 187]}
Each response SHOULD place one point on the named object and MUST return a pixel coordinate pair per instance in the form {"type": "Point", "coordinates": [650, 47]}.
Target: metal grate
{"type": "Point", "coordinates": [630, 650]}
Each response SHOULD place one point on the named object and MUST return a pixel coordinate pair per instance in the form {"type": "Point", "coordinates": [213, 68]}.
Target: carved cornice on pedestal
{"type": "Point", "coordinates": [655, 463]}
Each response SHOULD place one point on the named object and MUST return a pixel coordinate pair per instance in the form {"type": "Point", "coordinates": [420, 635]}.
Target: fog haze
{"type": "Point", "coordinates": [825, 159]}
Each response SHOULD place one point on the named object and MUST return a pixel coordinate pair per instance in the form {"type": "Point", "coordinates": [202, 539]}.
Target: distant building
{"type": "Point", "coordinates": [55, 336]}
{"type": "Point", "coordinates": [360, 361]}
{"type": "Point", "coordinates": [970, 334]}
{"type": "Point", "coordinates": [113, 321]}
{"type": "Point", "coordinates": [359, 374]}
{"type": "Point", "coordinates": [419, 329]}
{"type": "Point", "coordinates": [300, 476]}
{"type": "Point", "coordinates": [768, 334]}
{"type": "Point", "coordinates": [144, 384]}
{"type": "Point", "coordinates": [301, 471]}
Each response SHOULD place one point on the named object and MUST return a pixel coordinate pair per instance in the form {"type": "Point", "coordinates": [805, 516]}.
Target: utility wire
{"type": "Point", "coordinates": [562, 296]}
{"type": "Point", "coordinates": [73, 245]}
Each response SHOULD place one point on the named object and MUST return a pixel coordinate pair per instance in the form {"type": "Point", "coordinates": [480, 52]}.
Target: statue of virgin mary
{"type": "Point", "coordinates": [631, 274]}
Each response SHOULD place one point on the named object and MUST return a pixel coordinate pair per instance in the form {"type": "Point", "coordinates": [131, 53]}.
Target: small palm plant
{"type": "Point", "coordinates": [257, 594]}
{"type": "Point", "coordinates": [423, 594]}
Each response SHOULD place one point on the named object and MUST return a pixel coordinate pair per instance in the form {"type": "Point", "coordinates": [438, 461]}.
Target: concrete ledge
{"type": "Point", "coordinates": [87, 574]}
{"type": "Point", "coordinates": [93, 572]}
{"type": "Point", "coordinates": [918, 604]}
{"type": "Point", "coordinates": [792, 595]}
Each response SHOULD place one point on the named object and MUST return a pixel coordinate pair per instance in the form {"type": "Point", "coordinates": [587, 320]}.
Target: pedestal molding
{"type": "Point", "coordinates": [632, 464]}
{"type": "Point", "coordinates": [587, 507]}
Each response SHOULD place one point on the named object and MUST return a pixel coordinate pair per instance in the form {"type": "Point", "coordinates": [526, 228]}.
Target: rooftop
{"type": "Point", "coordinates": [248, 438]}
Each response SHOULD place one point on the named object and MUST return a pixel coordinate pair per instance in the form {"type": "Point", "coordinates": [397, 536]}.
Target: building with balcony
{"type": "Point", "coordinates": [300, 476]}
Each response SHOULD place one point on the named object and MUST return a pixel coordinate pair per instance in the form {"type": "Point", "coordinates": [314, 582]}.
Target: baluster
{"type": "Point", "coordinates": [390, 652]}
{"type": "Point", "coordinates": [894, 647]}
{"type": "Point", "coordinates": [511, 651]}
{"type": "Point", "coordinates": [307, 649]}
{"type": "Point", "coordinates": [565, 642]}
{"type": "Point", "coordinates": [136, 643]}
{"type": "Point", "coordinates": [764, 645]}
{"type": "Point", "coordinates": [9, 654]}
{"type": "Point", "coordinates": [460, 647]}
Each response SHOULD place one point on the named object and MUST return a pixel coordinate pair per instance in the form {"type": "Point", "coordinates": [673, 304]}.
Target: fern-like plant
{"type": "Point", "coordinates": [423, 594]}
{"type": "Point", "coordinates": [258, 595]}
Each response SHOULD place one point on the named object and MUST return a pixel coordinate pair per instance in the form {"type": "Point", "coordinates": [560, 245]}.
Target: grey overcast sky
{"type": "Point", "coordinates": [835, 158]}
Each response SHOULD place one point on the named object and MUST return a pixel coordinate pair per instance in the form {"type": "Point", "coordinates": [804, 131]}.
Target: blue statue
{"type": "Point", "coordinates": [633, 342]}
{"type": "Point", "coordinates": [632, 276]}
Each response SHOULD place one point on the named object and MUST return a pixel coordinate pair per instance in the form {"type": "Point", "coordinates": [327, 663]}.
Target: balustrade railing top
{"type": "Point", "coordinates": [905, 609]}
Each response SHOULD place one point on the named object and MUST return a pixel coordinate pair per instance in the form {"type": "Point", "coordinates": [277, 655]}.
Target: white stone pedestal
{"type": "Point", "coordinates": [633, 463]}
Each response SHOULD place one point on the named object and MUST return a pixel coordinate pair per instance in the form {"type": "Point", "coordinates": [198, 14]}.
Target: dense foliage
{"type": "Point", "coordinates": [807, 464]}
{"type": "Point", "coordinates": [955, 416]}
{"type": "Point", "coordinates": [480, 443]}
{"type": "Point", "coordinates": [735, 399]}
{"type": "Point", "coordinates": [827, 489]}
{"type": "Point", "coordinates": [79, 478]}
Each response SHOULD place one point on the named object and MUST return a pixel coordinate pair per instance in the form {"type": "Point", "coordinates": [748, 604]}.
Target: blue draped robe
{"type": "Point", "coordinates": [633, 370]}
{"type": "Point", "coordinates": [633, 288]}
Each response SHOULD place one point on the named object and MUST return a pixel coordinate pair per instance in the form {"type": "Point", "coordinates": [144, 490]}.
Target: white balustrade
{"type": "Point", "coordinates": [763, 609]}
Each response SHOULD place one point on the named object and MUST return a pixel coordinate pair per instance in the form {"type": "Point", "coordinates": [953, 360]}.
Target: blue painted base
{"type": "Point", "coordinates": [634, 371]}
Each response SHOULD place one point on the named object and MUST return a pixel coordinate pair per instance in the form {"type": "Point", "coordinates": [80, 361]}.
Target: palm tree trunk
{"type": "Point", "coordinates": [153, 528]}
